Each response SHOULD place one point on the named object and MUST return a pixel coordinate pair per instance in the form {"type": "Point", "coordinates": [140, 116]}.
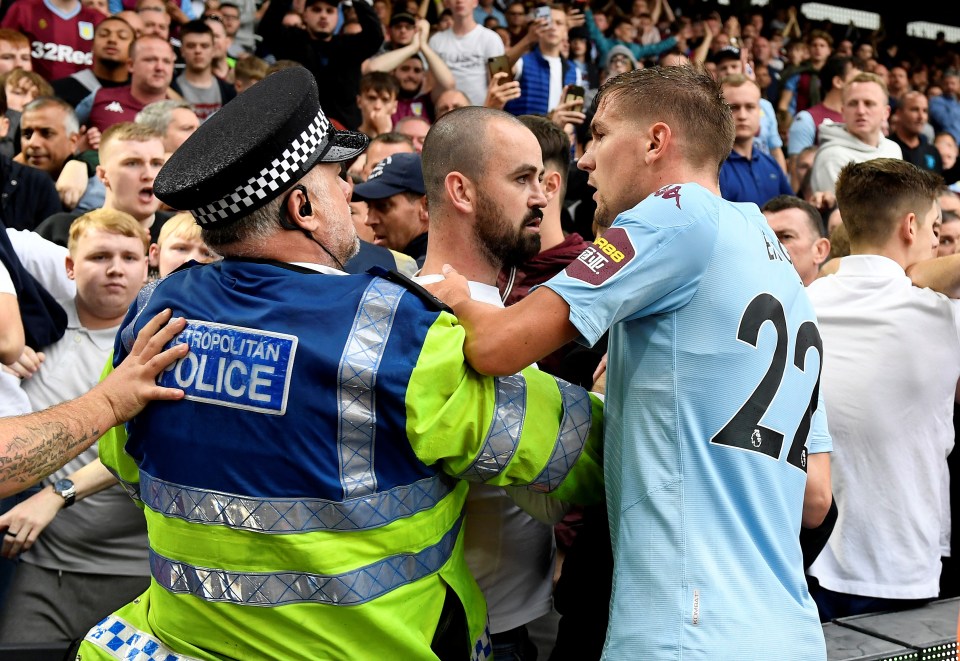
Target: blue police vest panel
{"type": "Point", "coordinates": [711, 401]}
{"type": "Point", "coordinates": [283, 398]}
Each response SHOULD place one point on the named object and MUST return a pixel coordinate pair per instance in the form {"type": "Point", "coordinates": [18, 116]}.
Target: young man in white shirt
{"type": "Point", "coordinates": [465, 48]}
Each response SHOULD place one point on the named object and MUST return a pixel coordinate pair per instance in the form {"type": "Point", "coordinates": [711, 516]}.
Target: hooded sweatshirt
{"type": "Point", "coordinates": [837, 148]}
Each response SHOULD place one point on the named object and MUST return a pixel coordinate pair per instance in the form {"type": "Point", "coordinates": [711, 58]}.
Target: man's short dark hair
{"type": "Point", "coordinates": [554, 144]}
{"type": "Point", "coordinates": [379, 82]}
{"type": "Point", "coordinates": [835, 66]}
{"type": "Point", "coordinates": [874, 195]}
{"type": "Point", "coordinates": [391, 138]}
{"type": "Point", "coordinates": [784, 202]}
{"type": "Point", "coordinates": [195, 27]}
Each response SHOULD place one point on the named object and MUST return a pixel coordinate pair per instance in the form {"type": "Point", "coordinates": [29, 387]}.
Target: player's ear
{"type": "Point", "coordinates": [658, 138]}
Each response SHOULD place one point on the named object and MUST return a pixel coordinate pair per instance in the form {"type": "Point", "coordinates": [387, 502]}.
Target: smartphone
{"type": "Point", "coordinates": [500, 64]}
{"type": "Point", "coordinates": [544, 13]}
{"type": "Point", "coordinates": [574, 93]}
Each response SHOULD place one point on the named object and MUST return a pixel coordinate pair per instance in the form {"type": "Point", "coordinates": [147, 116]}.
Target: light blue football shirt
{"type": "Point", "coordinates": [713, 363]}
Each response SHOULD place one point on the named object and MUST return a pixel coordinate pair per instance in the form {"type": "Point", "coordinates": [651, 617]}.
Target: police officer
{"type": "Point", "coordinates": [302, 501]}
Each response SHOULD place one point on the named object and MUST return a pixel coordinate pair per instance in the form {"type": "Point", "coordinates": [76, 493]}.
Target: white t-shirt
{"type": "Point", "coordinates": [466, 58]}
{"type": "Point", "coordinates": [891, 364]}
{"type": "Point", "coordinates": [509, 553]}
{"type": "Point", "coordinates": [13, 401]}
{"type": "Point", "coordinates": [45, 261]}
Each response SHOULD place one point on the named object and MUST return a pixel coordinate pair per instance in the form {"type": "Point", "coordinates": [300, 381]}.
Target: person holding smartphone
{"type": "Point", "coordinates": [544, 73]}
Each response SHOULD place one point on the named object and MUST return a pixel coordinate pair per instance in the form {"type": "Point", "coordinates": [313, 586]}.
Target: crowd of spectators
{"type": "Point", "coordinates": [96, 95]}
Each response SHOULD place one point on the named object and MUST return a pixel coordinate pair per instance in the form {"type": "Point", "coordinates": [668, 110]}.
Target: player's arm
{"type": "Point", "coordinates": [502, 341]}
{"type": "Point", "coordinates": [33, 446]}
{"type": "Point", "coordinates": [818, 494]}
{"type": "Point", "coordinates": [941, 274]}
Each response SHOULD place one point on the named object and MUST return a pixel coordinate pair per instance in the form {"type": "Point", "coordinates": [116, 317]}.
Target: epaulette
{"type": "Point", "coordinates": [433, 303]}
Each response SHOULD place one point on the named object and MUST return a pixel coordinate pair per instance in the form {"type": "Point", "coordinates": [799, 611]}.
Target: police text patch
{"type": "Point", "coordinates": [242, 368]}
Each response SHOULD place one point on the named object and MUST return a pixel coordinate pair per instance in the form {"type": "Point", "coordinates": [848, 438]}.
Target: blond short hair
{"type": "Point", "coordinates": [183, 226]}
{"type": "Point", "coordinates": [866, 77]}
{"type": "Point", "coordinates": [108, 220]}
{"type": "Point", "coordinates": [127, 131]}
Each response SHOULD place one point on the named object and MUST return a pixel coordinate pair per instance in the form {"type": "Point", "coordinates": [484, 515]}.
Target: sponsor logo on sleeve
{"type": "Point", "coordinates": [604, 258]}
{"type": "Point", "coordinates": [243, 368]}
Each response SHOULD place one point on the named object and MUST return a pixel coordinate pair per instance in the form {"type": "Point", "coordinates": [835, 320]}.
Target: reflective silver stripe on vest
{"type": "Point", "coordinates": [290, 515]}
{"type": "Point", "coordinates": [356, 381]}
{"type": "Point", "coordinates": [504, 433]}
{"type": "Point", "coordinates": [122, 640]}
{"type": "Point", "coordinates": [281, 588]}
{"type": "Point", "coordinates": [132, 488]}
{"type": "Point", "coordinates": [574, 429]}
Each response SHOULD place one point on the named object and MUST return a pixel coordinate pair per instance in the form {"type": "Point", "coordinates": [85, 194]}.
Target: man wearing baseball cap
{"type": "Point", "coordinates": [303, 501]}
{"type": "Point", "coordinates": [397, 205]}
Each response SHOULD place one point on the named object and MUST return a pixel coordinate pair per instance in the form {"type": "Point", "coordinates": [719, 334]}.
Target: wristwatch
{"type": "Point", "coordinates": [66, 490]}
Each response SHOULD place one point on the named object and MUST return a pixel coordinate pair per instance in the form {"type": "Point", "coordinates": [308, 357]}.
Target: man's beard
{"type": "Point", "coordinates": [602, 216]}
{"type": "Point", "coordinates": [503, 244]}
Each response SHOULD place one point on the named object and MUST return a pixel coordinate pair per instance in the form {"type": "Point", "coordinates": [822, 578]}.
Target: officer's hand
{"type": "Point", "coordinates": [134, 383]}
{"type": "Point", "coordinates": [452, 290]}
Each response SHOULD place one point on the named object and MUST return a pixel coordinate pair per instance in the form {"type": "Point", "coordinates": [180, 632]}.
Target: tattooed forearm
{"type": "Point", "coordinates": [38, 449]}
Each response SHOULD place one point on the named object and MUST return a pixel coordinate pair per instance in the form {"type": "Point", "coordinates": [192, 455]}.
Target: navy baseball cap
{"type": "Point", "coordinates": [400, 173]}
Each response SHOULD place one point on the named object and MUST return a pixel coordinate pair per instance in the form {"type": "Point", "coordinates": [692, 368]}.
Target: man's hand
{"type": "Point", "coordinates": [499, 91]}
{"type": "Point", "coordinates": [134, 382]}
{"type": "Point", "coordinates": [452, 290]}
{"type": "Point", "coordinates": [575, 18]}
{"type": "Point", "coordinates": [27, 364]}
{"type": "Point", "coordinates": [23, 524]}
{"type": "Point", "coordinates": [423, 31]}
{"type": "Point", "coordinates": [72, 183]}
{"type": "Point", "coordinates": [568, 112]}
{"type": "Point", "coordinates": [823, 200]}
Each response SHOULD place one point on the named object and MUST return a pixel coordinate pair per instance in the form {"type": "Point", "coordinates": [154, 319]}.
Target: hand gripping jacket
{"type": "Point", "coordinates": [303, 502]}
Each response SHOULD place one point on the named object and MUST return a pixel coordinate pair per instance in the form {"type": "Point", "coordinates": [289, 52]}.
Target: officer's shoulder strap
{"type": "Point", "coordinates": [432, 302]}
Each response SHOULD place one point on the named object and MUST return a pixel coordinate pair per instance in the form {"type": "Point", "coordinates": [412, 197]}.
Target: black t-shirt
{"type": "Point", "coordinates": [924, 155]}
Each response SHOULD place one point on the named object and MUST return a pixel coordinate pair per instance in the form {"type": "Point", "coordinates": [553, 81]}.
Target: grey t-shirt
{"type": "Point", "coordinates": [205, 100]}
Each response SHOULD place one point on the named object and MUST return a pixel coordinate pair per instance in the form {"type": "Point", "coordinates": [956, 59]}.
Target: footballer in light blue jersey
{"type": "Point", "coordinates": [712, 407]}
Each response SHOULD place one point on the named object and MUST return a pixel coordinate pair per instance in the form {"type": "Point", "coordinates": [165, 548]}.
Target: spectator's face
{"type": "Point", "coordinates": [135, 21]}
{"type": "Point", "coordinates": [177, 251]}
{"type": "Point", "coordinates": [619, 64]}
{"type": "Point", "coordinates": [947, 147]}
{"type": "Point", "coordinates": [410, 75]}
{"type": "Point", "coordinates": [111, 42]}
{"type": "Point", "coordinates": [865, 108]}
{"type": "Point", "coordinates": [578, 47]}
{"type": "Point", "coordinates": [450, 100]}
{"type": "Point", "coordinates": [231, 20]}
{"type": "Point", "coordinates": [845, 48]}
{"type": "Point", "coordinates": [625, 32]}
{"type": "Point", "coordinates": [951, 85]}
{"type": "Point", "coordinates": [554, 35]}
{"type": "Point", "coordinates": [320, 18]}
{"type": "Point", "coordinates": [128, 169]}
{"type": "Point", "coordinates": [949, 239]}
{"type": "Point", "coordinates": [898, 81]}
{"type": "Point", "coordinates": [183, 123]}
{"type": "Point", "coordinates": [761, 49]}
{"type": "Point", "coordinates": [109, 270]}
{"type": "Point", "coordinates": [719, 41]}
{"type": "Point", "coordinates": [516, 15]}
{"type": "Point", "coordinates": [395, 220]}
{"type": "Point", "coordinates": [101, 6]}
{"type": "Point", "coordinates": [197, 51]}
{"type": "Point", "coordinates": [14, 57]}
{"type": "Point", "coordinates": [401, 34]}
{"type": "Point", "coordinates": [819, 50]}
{"type": "Point", "coordinates": [792, 228]}
{"type": "Point", "coordinates": [764, 79]}
{"type": "Point", "coordinates": [864, 51]}
{"type": "Point", "coordinates": [156, 23]}
{"type": "Point", "coordinates": [20, 93]}
{"type": "Point", "coordinates": [44, 140]}
{"type": "Point", "coordinates": [219, 39]}
{"type": "Point", "coordinates": [729, 68]}
{"type": "Point", "coordinates": [151, 68]}
{"type": "Point", "coordinates": [913, 114]}
{"type": "Point", "coordinates": [416, 130]}
{"type": "Point", "coordinates": [371, 102]}
{"type": "Point", "coordinates": [461, 8]}
{"type": "Point", "coordinates": [801, 166]}
{"type": "Point", "coordinates": [744, 102]}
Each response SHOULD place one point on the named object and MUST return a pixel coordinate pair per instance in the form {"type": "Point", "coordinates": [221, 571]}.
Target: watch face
{"type": "Point", "coordinates": [63, 485]}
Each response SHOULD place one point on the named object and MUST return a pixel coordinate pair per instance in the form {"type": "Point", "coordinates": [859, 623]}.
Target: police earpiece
{"type": "Point", "coordinates": [306, 208]}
